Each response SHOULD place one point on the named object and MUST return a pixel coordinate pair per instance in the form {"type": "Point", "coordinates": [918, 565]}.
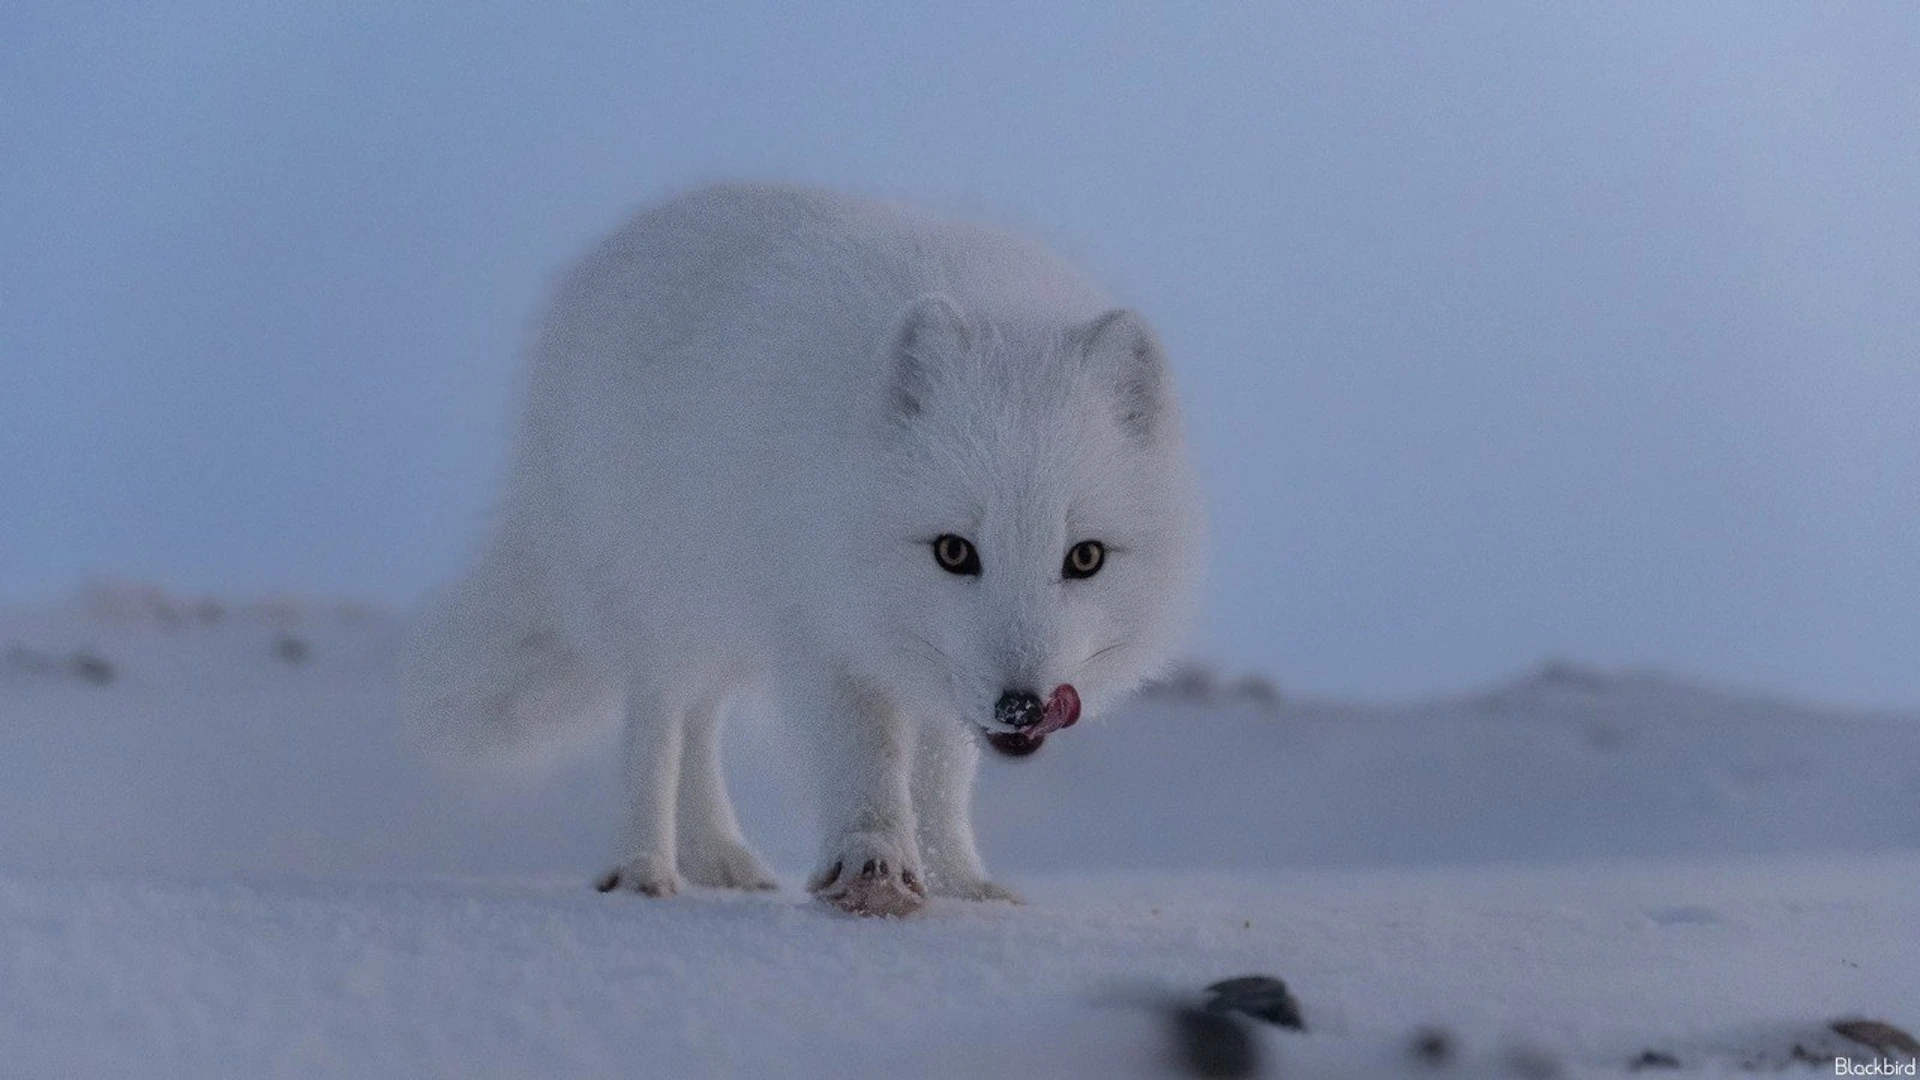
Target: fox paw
{"type": "Point", "coordinates": [647, 875]}
{"type": "Point", "coordinates": [726, 864]}
{"type": "Point", "coordinates": [871, 877]}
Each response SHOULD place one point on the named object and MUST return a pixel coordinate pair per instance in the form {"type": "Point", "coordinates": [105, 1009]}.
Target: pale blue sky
{"type": "Point", "coordinates": [1505, 330]}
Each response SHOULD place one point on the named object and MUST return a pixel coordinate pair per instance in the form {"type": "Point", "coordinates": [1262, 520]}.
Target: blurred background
{"type": "Point", "coordinates": [1505, 331]}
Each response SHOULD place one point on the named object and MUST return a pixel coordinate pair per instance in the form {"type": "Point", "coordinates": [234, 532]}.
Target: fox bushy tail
{"type": "Point", "coordinates": [488, 675]}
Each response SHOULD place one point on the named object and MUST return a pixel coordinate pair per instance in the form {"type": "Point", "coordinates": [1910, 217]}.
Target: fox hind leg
{"type": "Point", "coordinates": [712, 850]}
{"type": "Point", "coordinates": [654, 739]}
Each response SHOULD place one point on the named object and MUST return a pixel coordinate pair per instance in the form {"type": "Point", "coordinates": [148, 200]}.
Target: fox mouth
{"type": "Point", "coordinates": [1014, 743]}
{"type": "Point", "coordinates": [1062, 711]}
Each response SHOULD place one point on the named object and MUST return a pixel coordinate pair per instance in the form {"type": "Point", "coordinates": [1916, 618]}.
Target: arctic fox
{"type": "Point", "coordinates": [917, 475]}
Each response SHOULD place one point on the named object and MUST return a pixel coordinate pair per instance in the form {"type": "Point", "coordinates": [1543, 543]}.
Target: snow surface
{"type": "Point", "coordinates": [226, 860]}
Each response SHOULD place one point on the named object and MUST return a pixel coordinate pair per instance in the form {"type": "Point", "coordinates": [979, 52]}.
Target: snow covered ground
{"type": "Point", "coordinates": [220, 857]}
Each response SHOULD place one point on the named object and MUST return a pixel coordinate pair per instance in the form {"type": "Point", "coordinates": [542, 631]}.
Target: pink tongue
{"type": "Point", "coordinates": [1063, 711]}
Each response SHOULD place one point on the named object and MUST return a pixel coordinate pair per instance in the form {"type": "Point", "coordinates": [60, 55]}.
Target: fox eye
{"type": "Point", "coordinates": [1084, 559]}
{"type": "Point", "coordinates": [955, 555]}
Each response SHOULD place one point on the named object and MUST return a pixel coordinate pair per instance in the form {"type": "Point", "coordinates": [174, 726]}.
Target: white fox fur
{"type": "Point", "coordinates": [750, 412]}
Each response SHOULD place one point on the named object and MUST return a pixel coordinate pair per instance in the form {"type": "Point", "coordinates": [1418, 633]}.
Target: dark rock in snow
{"type": "Point", "coordinates": [1431, 1047]}
{"type": "Point", "coordinates": [1879, 1035]}
{"type": "Point", "coordinates": [1259, 996]}
{"type": "Point", "coordinates": [91, 667]}
{"type": "Point", "coordinates": [1259, 690]}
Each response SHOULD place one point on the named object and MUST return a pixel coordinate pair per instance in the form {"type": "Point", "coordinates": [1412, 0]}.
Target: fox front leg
{"type": "Point", "coordinates": [870, 861]}
{"type": "Point", "coordinates": [945, 757]}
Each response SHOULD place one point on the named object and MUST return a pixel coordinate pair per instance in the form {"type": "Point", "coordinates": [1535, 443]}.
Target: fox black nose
{"type": "Point", "coordinates": [1018, 708]}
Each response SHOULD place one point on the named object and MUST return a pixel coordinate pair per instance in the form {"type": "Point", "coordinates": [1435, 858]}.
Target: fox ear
{"type": "Point", "coordinates": [930, 332]}
{"type": "Point", "coordinates": [1125, 355]}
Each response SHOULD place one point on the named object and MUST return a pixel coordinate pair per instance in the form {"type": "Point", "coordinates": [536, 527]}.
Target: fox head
{"type": "Point", "coordinates": [1038, 549]}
